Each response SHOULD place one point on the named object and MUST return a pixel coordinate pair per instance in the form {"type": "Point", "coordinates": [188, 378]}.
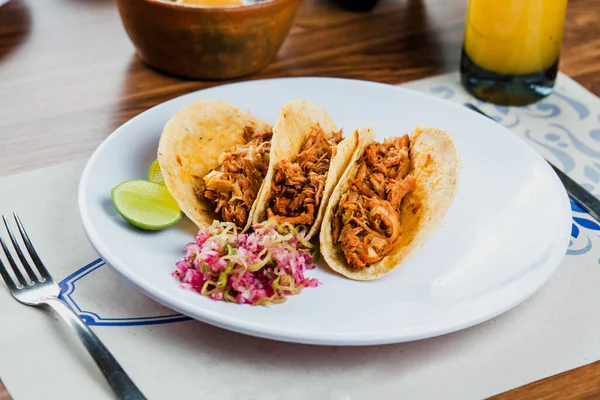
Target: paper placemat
{"type": "Point", "coordinates": [172, 357]}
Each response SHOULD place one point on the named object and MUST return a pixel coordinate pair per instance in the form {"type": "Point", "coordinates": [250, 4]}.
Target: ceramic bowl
{"type": "Point", "coordinates": [201, 42]}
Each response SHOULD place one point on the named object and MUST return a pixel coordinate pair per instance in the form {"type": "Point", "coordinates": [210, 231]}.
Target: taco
{"type": "Point", "coordinates": [214, 158]}
{"type": "Point", "coordinates": [389, 201]}
{"type": "Point", "coordinates": [307, 159]}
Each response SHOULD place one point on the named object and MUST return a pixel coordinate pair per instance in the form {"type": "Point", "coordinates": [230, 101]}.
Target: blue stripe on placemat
{"type": "Point", "coordinates": [68, 287]}
{"type": "Point", "coordinates": [582, 229]}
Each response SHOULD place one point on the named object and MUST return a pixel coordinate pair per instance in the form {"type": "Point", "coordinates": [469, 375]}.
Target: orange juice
{"type": "Point", "coordinates": [511, 49]}
{"type": "Point", "coordinates": [514, 36]}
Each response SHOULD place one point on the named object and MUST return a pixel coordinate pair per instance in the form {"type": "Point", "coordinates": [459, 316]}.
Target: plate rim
{"type": "Point", "coordinates": [286, 334]}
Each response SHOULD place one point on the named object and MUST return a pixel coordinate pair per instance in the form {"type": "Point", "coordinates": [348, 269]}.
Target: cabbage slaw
{"type": "Point", "coordinates": [259, 268]}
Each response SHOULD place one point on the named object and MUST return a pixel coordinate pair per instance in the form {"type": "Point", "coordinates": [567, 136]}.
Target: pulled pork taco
{"type": "Point", "coordinates": [389, 201]}
{"type": "Point", "coordinates": [214, 158]}
{"type": "Point", "coordinates": [307, 159]}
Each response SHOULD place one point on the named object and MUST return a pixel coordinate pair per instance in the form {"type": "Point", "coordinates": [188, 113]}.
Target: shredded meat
{"type": "Point", "coordinates": [233, 186]}
{"type": "Point", "coordinates": [366, 222]}
{"type": "Point", "coordinates": [298, 184]}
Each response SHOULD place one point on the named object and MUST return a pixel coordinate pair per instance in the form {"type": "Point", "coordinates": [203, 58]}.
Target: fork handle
{"type": "Point", "coordinates": [122, 386]}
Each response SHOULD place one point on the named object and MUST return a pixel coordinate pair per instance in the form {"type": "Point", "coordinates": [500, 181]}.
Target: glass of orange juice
{"type": "Point", "coordinates": [511, 49]}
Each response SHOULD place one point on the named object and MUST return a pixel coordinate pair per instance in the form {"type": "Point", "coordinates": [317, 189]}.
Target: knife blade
{"type": "Point", "coordinates": [576, 192]}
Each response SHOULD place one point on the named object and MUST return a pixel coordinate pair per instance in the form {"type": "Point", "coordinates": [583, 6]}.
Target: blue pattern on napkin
{"type": "Point", "coordinates": [575, 149]}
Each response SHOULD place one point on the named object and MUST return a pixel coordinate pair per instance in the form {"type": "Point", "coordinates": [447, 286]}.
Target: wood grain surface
{"type": "Point", "coordinates": [69, 76]}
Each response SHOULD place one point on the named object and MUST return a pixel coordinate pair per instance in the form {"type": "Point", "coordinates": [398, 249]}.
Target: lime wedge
{"type": "Point", "coordinates": [154, 173]}
{"type": "Point", "coordinates": [147, 205]}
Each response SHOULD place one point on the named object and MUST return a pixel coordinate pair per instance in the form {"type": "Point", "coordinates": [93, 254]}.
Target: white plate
{"type": "Point", "coordinates": [503, 236]}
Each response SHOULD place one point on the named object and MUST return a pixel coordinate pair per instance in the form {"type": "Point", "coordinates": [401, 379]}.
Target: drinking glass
{"type": "Point", "coordinates": [511, 49]}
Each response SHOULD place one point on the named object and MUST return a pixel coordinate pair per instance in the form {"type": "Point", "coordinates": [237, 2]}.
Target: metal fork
{"type": "Point", "coordinates": [42, 290]}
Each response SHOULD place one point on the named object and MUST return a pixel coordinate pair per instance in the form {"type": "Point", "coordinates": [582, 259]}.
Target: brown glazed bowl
{"type": "Point", "coordinates": [207, 42]}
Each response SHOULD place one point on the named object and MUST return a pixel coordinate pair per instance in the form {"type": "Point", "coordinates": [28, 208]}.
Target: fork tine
{"type": "Point", "coordinates": [19, 252]}
{"type": "Point", "coordinates": [6, 276]}
{"type": "Point", "coordinates": [34, 255]}
{"type": "Point", "coordinates": [11, 261]}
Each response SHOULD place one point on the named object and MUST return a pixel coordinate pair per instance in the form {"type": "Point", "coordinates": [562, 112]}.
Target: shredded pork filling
{"type": "Point", "coordinates": [298, 184]}
{"type": "Point", "coordinates": [234, 185]}
{"type": "Point", "coordinates": [366, 222]}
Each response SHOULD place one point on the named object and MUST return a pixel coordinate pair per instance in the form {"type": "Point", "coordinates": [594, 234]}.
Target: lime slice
{"type": "Point", "coordinates": [154, 173]}
{"type": "Point", "coordinates": [147, 205]}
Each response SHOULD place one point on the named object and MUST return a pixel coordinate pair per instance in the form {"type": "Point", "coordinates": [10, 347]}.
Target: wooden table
{"type": "Point", "coordinates": [69, 76]}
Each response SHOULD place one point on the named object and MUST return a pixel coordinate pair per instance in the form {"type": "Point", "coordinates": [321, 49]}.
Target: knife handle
{"type": "Point", "coordinates": [582, 197]}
